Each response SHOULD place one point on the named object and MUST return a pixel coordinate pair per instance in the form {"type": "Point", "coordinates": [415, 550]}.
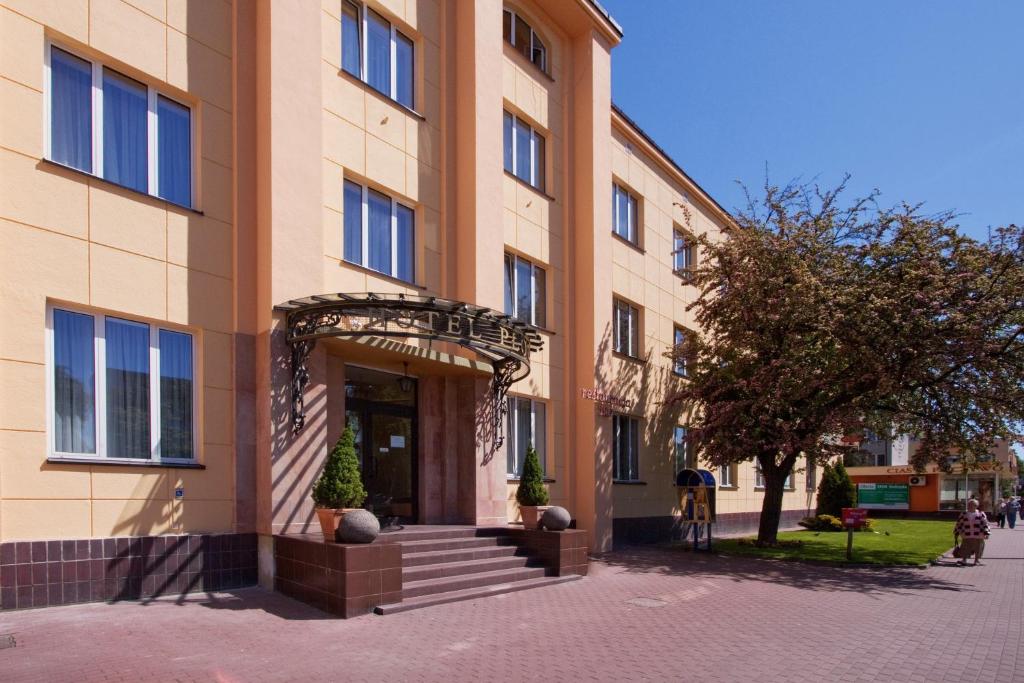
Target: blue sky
{"type": "Point", "coordinates": [922, 100]}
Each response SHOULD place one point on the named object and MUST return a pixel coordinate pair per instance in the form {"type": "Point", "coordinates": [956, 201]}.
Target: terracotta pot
{"type": "Point", "coordinates": [330, 518]}
{"type": "Point", "coordinates": [531, 515]}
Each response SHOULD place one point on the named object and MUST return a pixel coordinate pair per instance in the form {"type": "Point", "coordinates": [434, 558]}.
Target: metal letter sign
{"type": "Point", "coordinates": [496, 337]}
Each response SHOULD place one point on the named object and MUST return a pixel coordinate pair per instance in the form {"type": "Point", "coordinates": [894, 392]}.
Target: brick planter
{"type": "Point", "coordinates": [344, 579]}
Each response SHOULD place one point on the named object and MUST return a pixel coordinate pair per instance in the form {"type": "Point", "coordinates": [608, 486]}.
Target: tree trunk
{"type": "Point", "coordinates": [771, 509]}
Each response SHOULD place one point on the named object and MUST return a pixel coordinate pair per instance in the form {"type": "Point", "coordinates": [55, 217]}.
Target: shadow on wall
{"type": "Point", "coordinates": [648, 386]}
{"type": "Point", "coordinates": [303, 453]}
{"type": "Point", "coordinates": [697, 566]}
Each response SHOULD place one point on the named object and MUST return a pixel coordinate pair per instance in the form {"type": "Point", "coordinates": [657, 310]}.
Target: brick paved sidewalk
{"type": "Point", "coordinates": [646, 614]}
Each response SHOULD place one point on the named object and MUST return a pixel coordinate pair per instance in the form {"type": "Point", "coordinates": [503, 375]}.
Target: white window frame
{"type": "Point", "coordinates": [533, 180]}
{"type": "Point", "coordinates": [534, 39]}
{"type": "Point", "coordinates": [684, 257]}
{"type": "Point", "coordinates": [534, 297]}
{"type": "Point", "coordinates": [811, 475]}
{"type": "Point", "coordinates": [100, 390]}
{"type": "Point", "coordinates": [621, 193]}
{"type": "Point", "coordinates": [725, 477]}
{"type": "Point", "coordinates": [633, 458]}
{"type": "Point", "coordinates": [365, 233]}
{"type": "Point", "coordinates": [152, 122]}
{"type": "Point", "coordinates": [364, 40]}
{"type": "Point", "coordinates": [759, 479]}
{"type": "Point", "coordinates": [687, 452]}
{"type": "Point", "coordinates": [633, 325]}
{"type": "Point", "coordinates": [680, 366]}
{"type": "Point", "coordinates": [513, 433]}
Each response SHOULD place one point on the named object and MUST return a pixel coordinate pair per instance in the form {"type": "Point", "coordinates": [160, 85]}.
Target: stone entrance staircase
{"type": "Point", "coordinates": [447, 564]}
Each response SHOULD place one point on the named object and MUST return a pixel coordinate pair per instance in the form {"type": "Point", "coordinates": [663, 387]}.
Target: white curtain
{"type": "Point", "coordinates": [174, 133]}
{"type": "Point", "coordinates": [125, 133]}
{"type": "Point", "coordinates": [351, 52]}
{"type": "Point", "coordinates": [127, 389]}
{"type": "Point", "coordinates": [175, 395]}
{"type": "Point", "coordinates": [380, 232]}
{"type": "Point", "coordinates": [403, 70]}
{"type": "Point", "coordinates": [353, 247]}
{"type": "Point", "coordinates": [74, 382]}
{"type": "Point", "coordinates": [406, 242]}
{"type": "Point", "coordinates": [378, 53]}
{"type": "Point", "coordinates": [70, 110]}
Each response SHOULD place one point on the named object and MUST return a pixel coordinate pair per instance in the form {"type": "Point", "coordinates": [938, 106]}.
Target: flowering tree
{"type": "Point", "coordinates": [821, 319]}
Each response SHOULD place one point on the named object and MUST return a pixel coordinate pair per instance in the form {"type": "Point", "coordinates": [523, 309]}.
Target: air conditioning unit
{"type": "Point", "coordinates": [918, 480]}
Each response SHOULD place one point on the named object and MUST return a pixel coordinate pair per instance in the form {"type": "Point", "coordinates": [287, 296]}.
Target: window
{"type": "Point", "coordinates": [525, 291]}
{"type": "Point", "coordinates": [680, 352]}
{"type": "Point", "coordinates": [522, 37]}
{"type": "Point", "coordinates": [526, 425]}
{"type": "Point", "coordinates": [625, 448]}
{"type": "Point", "coordinates": [524, 151]}
{"type": "Point", "coordinates": [759, 478]}
{"type": "Point", "coordinates": [684, 254]}
{"type": "Point", "coordinates": [376, 52]}
{"type": "Point", "coordinates": [626, 322]}
{"type": "Point", "coordinates": [683, 453]}
{"type": "Point", "coordinates": [120, 389]}
{"type": "Point", "coordinates": [812, 476]}
{"type": "Point", "coordinates": [379, 232]}
{"type": "Point", "coordinates": [727, 477]}
{"type": "Point", "coordinates": [624, 214]}
{"type": "Point", "coordinates": [109, 125]}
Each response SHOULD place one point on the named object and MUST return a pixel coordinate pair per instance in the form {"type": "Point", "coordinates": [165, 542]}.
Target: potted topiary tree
{"type": "Point", "coordinates": [531, 494]}
{"type": "Point", "coordinates": [340, 486]}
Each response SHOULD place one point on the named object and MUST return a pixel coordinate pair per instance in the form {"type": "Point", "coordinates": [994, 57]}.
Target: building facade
{"type": "Point", "coordinates": [886, 462]}
{"type": "Point", "coordinates": [182, 178]}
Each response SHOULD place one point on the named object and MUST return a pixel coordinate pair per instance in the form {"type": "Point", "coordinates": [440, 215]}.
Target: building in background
{"type": "Point", "coordinates": [882, 463]}
{"type": "Point", "coordinates": [189, 188]}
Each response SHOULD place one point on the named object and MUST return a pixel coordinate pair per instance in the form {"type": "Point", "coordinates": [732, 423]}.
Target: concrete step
{"type": "Point", "coordinates": [422, 533]}
{"type": "Point", "coordinates": [416, 559]}
{"type": "Point", "coordinates": [414, 589]}
{"type": "Point", "coordinates": [456, 543]}
{"type": "Point", "coordinates": [471, 593]}
{"type": "Point", "coordinates": [448, 569]}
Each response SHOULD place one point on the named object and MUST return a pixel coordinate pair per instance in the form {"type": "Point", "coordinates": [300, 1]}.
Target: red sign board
{"type": "Point", "coordinates": [854, 517]}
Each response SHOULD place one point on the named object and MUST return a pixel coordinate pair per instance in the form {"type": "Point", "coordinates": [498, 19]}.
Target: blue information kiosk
{"type": "Point", "coordinates": [697, 503]}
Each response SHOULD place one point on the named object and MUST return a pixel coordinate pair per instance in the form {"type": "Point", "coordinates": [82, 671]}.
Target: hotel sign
{"type": "Point", "coordinates": [606, 403]}
{"type": "Point", "coordinates": [504, 342]}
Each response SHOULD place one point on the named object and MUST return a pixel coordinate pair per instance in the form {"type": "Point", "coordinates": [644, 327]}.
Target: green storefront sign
{"type": "Point", "coordinates": [883, 496]}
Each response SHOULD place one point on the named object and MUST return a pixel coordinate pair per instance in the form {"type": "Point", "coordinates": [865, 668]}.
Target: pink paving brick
{"type": "Point", "coordinates": [636, 617]}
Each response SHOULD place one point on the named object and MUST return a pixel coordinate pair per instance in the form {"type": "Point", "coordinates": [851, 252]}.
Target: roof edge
{"type": "Point", "coordinates": [599, 8]}
{"type": "Point", "coordinates": [672, 164]}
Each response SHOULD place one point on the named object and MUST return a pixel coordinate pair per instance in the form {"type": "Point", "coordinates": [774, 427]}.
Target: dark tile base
{"type": "Point", "coordinates": [640, 530]}
{"type": "Point", "coordinates": [51, 573]}
{"type": "Point", "coordinates": [564, 553]}
{"type": "Point", "coordinates": [344, 579]}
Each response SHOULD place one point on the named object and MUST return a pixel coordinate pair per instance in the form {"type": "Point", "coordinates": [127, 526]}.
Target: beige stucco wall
{"type": "Point", "coordinates": [273, 232]}
{"type": "Point", "coordinates": [643, 276]}
{"type": "Point", "coordinates": [71, 238]}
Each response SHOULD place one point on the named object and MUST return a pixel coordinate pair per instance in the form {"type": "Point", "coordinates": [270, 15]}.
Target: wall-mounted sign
{"type": "Point", "coordinates": [606, 403]}
{"type": "Point", "coordinates": [883, 496]}
{"type": "Point", "coordinates": [179, 492]}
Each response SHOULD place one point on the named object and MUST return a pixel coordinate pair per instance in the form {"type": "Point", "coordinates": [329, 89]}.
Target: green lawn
{"type": "Point", "coordinates": [897, 542]}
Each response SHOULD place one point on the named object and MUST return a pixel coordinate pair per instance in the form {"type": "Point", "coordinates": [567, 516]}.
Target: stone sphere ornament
{"type": "Point", "coordinates": [555, 519]}
{"type": "Point", "coordinates": [358, 526]}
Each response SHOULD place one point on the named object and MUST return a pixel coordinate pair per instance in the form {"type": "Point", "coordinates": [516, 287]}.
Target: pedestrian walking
{"type": "Point", "coordinates": [1012, 510]}
{"type": "Point", "coordinates": [1001, 511]}
{"type": "Point", "coordinates": [971, 530]}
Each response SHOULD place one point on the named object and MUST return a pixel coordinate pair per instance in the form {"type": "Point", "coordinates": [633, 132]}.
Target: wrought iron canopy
{"type": "Point", "coordinates": [494, 336]}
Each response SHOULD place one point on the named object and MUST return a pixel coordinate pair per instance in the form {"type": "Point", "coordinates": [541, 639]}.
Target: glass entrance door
{"type": "Point", "coordinates": [383, 417]}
